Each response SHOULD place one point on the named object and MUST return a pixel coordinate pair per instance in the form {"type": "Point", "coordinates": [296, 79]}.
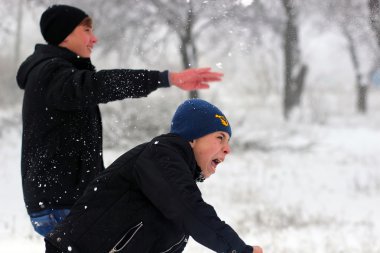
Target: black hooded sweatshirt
{"type": "Point", "coordinates": [62, 129]}
{"type": "Point", "coordinates": [147, 201]}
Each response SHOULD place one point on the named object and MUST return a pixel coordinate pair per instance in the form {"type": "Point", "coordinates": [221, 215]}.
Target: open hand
{"type": "Point", "coordinates": [194, 79]}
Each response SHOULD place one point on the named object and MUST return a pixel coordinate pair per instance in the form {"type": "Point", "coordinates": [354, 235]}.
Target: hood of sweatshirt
{"type": "Point", "coordinates": [43, 53]}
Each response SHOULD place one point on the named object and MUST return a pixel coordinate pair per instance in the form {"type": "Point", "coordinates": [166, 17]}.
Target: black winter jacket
{"type": "Point", "coordinates": [62, 129]}
{"type": "Point", "coordinates": [146, 201]}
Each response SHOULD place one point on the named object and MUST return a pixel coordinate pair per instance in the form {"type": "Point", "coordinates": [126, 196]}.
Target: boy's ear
{"type": "Point", "coordinates": [192, 143]}
{"type": "Point", "coordinates": [63, 43]}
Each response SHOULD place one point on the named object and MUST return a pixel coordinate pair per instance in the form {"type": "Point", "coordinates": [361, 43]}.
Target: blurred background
{"type": "Point", "coordinates": [301, 89]}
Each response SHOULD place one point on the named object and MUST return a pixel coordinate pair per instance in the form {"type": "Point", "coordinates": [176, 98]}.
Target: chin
{"type": "Point", "coordinates": [209, 174]}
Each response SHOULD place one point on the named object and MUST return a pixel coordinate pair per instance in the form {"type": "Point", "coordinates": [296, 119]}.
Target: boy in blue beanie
{"type": "Point", "coordinates": [147, 201]}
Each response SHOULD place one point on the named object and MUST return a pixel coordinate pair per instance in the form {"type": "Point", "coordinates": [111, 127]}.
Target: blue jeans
{"type": "Point", "coordinates": [43, 222]}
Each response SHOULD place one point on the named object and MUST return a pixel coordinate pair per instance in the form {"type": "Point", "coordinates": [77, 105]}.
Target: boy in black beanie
{"type": "Point", "coordinates": [62, 130]}
{"type": "Point", "coordinates": [148, 201]}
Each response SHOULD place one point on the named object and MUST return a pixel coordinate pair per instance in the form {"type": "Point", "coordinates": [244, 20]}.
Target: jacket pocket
{"type": "Point", "coordinates": [126, 238]}
{"type": "Point", "coordinates": [176, 245]}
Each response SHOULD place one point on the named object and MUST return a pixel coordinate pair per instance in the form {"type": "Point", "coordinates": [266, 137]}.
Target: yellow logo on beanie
{"type": "Point", "coordinates": [223, 119]}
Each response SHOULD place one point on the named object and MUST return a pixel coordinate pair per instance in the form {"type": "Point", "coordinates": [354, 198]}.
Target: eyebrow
{"type": "Point", "coordinates": [224, 136]}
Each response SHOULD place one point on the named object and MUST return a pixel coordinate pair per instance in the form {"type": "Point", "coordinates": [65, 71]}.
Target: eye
{"type": "Point", "coordinates": [88, 28]}
{"type": "Point", "coordinates": [221, 137]}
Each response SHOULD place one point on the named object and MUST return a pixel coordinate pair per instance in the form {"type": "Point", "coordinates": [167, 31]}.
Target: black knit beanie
{"type": "Point", "coordinates": [58, 21]}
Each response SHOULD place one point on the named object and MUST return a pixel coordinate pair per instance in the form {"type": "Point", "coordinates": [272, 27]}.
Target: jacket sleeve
{"type": "Point", "coordinates": [165, 178]}
{"type": "Point", "coordinates": [71, 89]}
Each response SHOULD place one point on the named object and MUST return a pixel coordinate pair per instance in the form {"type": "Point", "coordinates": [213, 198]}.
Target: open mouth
{"type": "Point", "coordinates": [215, 162]}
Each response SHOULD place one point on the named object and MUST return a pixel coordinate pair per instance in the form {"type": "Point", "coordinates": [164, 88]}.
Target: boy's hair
{"type": "Point", "coordinates": [87, 21]}
{"type": "Point", "coordinates": [58, 21]}
{"type": "Point", "coordinates": [195, 118]}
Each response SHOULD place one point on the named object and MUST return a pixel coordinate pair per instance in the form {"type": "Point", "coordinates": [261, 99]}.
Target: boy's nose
{"type": "Point", "coordinates": [94, 39]}
{"type": "Point", "coordinates": [227, 149]}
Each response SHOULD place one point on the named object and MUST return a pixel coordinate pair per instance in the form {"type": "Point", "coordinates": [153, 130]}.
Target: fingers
{"type": "Point", "coordinates": [203, 86]}
{"type": "Point", "coordinates": [205, 78]}
{"type": "Point", "coordinates": [193, 79]}
{"type": "Point", "coordinates": [195, 86]}
{"type": "Point", "coordinates": [211, 74]}
{"type": "Point", "coordinates": [201, 70]}
{"type": "Point", "coordinates": [207, 72]}
{"type": "Point", "coordinates": [210, 78]}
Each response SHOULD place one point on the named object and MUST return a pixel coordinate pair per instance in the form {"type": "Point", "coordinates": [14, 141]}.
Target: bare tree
{"type": "Point", "coordinates": [374, 18]}
{"type": "Point", "coordinates": [6, 12]}
{"type": "Point", "coordinates": [18, 36]}
{"type": "Point", "coordinates": [281, 18]}
{"type": "Point", "coordinates": [361, 86]}
{"type": "Point", "coordinates": [152, 26]}
{"type": "Point", "coordinates": [10, 37]}
{"type": "Point", "coordinates": [374, 21]}
{"type": "Point", "coordinates": [184, 28]}
{"type": "Point", "coordinates": [295, 69]}
{"type": "Point", "coordinates": [350, 17]}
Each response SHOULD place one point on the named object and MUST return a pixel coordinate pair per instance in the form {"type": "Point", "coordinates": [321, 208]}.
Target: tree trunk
{"type": "Point", "coordinates": [374, 18]}
{"type": "Point", "coordinates": [189, 59]}
{"type": "Point", "coordinates": [361, 87]}
{"type": "Point", "coordinates": [19, 21]}
{"type": "Point", "coordinates": [295, 70]}
{"type": "Point", "coordinates": [362, 98]}
{"type": "Point", "coordinates": [188, 48]}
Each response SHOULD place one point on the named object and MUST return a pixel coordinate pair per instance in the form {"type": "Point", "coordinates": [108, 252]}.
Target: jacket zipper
{"type": "Point", "coordinates": [116, 247]}
{"type": "Point", "coordinates": [176, 244]}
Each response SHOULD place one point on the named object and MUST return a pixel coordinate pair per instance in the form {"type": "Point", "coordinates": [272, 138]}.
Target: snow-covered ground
{"type": "Point", "coordinates": [288, 187]}
{"type": "Point", "coordinates": [307, 186]}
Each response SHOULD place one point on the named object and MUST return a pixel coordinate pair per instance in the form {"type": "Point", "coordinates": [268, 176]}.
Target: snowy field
{"type": "Point", "coordinates": [307, 188]}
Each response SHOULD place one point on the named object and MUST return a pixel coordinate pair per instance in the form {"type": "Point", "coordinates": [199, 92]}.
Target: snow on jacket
{"type": "Point", "coordinates": [147, 201]}
{"type": "Point", "coordinates": [62, 129]}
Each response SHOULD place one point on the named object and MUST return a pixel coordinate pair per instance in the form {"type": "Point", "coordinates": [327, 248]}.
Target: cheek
{"type": "Point", "coordinates": [204, 152]}
{"type": "Point", "coordinates": [85, 39]}
{"type": "Point", "coordinates": [200, 157]}
{"type": "Point", "coordinates": [206, 155]}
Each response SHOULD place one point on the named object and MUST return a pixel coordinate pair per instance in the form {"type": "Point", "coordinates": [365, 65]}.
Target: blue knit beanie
{"type": "Point", "coordinates": [195, 118]}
